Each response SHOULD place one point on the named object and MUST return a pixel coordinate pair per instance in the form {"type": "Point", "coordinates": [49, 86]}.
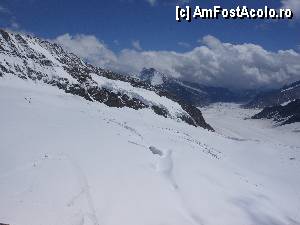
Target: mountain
{"type": "Point", "coordinates": [194, 93]}
{"type": "Point", "coordinates": [67, 159]}
{"type": "Point", "coordinates": [286, 114]}
{"type": "Point", "coordinates": [32, 58]}
{"type": "Point", "coordinates": [153, 77]}
{"type": "Point", "coordinates": [280, 96]}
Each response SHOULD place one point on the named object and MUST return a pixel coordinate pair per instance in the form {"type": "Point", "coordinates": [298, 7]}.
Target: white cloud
{"type": "Point", "coordinates": [87, 47]}
{"type": "Point", "coordinates": [14, 25]}
{"type": "Point", "coordinates": [151, 2]}
{"type": "Point", "coordinates": [292, 4]}
{"type": "Point", "coordinates": [4, 10]}
{"type": "Point", "coordinates": [184, 44]}
{"type": "Point", "coordinates": [212, 62]}
{"type": "Point", "coordinates": [136, 45]}
{"type": "Point", "coordinates": [116, 42]}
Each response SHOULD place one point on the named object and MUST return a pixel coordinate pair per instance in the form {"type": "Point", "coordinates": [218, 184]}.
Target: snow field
{"type": "Point", "coordinates": [68, 161]}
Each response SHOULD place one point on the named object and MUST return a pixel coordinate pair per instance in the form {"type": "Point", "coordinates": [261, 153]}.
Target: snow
{"type": "Point", "coordinates": [286, 103]}
{"type": "Point", "coordinates": [291, 88]}
{"type": "Point", "coordinates": [146, 96]}
{"type": "Point", "coordinates": [192, 88]}
{"type": "Point", "coordinates": [58, 67]}
{"type": "Point", "coordinates": [68, 161]}
{"type": "Point", "coordinates": [17, 65]}
{"type": "Point", "coordinates": [157, 79]}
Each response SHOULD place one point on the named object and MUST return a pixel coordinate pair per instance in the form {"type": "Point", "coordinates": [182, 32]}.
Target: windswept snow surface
{"type": "Point", "coordinates": [68, 161]}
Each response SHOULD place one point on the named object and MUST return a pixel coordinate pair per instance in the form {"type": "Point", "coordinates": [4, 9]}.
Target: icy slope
{"type": "Point", "coordinates": [35, 59]}
{"type": "Point", "coordinates": [68, 161]}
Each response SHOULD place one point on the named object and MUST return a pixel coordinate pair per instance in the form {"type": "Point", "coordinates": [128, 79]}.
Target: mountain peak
{"type": "Point", "coordinates": [152, 76]}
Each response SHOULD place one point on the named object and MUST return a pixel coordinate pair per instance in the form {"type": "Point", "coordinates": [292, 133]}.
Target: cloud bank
{"type": "Point", "coordinates": [89, 48]}
{"type": "Point", "coordinates": [239, 66]}
{"type": "Point", "coordinates": [137, 45]}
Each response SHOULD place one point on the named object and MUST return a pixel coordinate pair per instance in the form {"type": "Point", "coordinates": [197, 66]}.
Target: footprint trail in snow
{"type": "Point", "coordinates": [165, 166]}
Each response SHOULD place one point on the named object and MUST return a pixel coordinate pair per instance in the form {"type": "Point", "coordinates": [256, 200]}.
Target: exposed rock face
{"type": "Point", "coordinates": [286, 114]}
{"type": "Point", "coordinates": [276, 97]}
{"type": "Point", "coordinates": [35, 59]}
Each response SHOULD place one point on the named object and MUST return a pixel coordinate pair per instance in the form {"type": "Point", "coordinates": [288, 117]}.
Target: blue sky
{"type": "Point", "coordinates": [119, 22]}
{"type": "Point", "coordinates": [115, 33]}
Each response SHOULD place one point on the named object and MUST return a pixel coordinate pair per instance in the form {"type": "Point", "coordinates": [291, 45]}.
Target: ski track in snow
{"type": "Point", "coordinates": [196, 144]}
{"type": "Point", "coordinates": [125, 126]}
{"type": "Point", "coordinates": [164, 166]}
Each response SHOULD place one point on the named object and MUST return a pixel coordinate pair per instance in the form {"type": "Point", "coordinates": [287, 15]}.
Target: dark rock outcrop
{"type": "Point", "coordinates": [287, 114]}
{"type": "Point", "coordinates": [276, 97]}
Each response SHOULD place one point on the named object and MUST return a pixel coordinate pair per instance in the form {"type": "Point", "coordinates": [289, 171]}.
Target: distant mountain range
{"type": "Point", "coordinates": [277, 97]}
{"type": "Point", "coordinates": [286, 114]}
{"type": "Point", "coordinates": [282, 105]}
{"type": "Point", "coordinates": [32, 58]}
{"type": "Point", "coordinates": [194, 93]}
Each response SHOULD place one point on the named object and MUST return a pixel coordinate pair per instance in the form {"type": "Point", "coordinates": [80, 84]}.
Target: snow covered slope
{"type": "Point", "coordinates": [32, 58]}
{"type": "Point", "coordinates": [68, 161]}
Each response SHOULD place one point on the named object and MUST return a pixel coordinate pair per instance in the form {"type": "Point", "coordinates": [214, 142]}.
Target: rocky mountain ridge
{"type": "Point", "coordinates": [282, 115]}
{"type": "Point", "coordinates": [35, 59]}
{"type": "Point", "coordinates": [277, 97]}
